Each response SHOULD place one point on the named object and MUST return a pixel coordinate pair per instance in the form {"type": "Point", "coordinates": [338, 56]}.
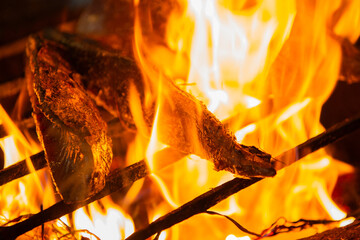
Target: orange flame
{"type": "Point", "coordinates": [16, 195]}
{"type": "Point", "coordinates": [28, 194]}
{"type": "Point", "coordinates": [264, 68]}
{"type": "Point", "coordinates": [279, 59]}
{"type": "Point", "coordinates": [109, 223]}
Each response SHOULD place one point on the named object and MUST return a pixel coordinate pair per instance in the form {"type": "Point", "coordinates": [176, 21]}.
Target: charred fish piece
{"type": "Point", "coordinates": [186, 124]}
{"type": "Point", "coordinates": [69, 126]}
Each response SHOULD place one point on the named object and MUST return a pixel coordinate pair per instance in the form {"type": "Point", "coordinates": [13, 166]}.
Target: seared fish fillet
{"type": "Point", "coordinates": [68, 123]}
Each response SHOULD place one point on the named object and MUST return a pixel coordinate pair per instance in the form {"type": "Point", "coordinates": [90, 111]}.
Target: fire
{"type": "Point", "coordinates": [15, 195]}
{"type": "Point", "coordinates": [104, 223]}
{"type": "Point", "coordinates": [233, 237]}
{"type": "Point", "coordinates": [223, 28]}
{"type": "Point", "coordinates": [278, 61]}
{"type": "Point", "coordinates": [21, 198]}
{"type": "Point", "coordinates": [264, 68]}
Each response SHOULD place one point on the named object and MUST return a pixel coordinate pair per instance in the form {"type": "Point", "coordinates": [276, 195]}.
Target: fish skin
{"type": "Point", "coordinates": [69, 126]}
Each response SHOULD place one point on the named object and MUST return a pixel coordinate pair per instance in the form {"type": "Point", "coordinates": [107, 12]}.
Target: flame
{"type": "Point", "coordinates": [264, 68]}
{"type": "Point", "coordinates": [31, 193]}
{"type": "Point", "coordinates": [334, 212]}
{"type": "Point", "coordinates": [233, 237]}
{"type": "Point", "coordinates": [104, 223]}
{"type": "Point", "coordinates": [347, 221]}
{"type": "Point", "coordinates": [16, 196]}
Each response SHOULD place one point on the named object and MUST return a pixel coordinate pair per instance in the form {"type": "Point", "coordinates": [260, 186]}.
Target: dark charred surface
{"type": "Point", "coordinates": [185, 122]}
{"type": "Point", "coordinates": [69, 125]}
{"type": "Point", "coordinates": [349, 232]}
{"type": "Point", "coordinates": [2, 159]}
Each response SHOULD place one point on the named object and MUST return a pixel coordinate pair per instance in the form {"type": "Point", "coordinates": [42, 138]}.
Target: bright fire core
{"type": "Point", "coordinates": [263, 67]}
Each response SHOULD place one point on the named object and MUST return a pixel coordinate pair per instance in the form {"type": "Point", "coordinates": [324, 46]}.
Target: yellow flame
{"type": "Point", "coordinates": [278, 58]}
{"type": "Point", "coordinates": [109, 223]}
{"type": "Point", "coordinates": [240, 135]}
{"type": "Point", "coordinates": [225, 51]}
{"type": "Point", "coordinates": [317, 164]}
{"type": "Point", "coordinates": [251, 102]}
{"type": "Point", "coordinates": [233, 237]}
{"type": "Point", "coordinates": [25, 195]}
{"type": "Point", "coordinates": [232, 208]}
{"type": "Point", "coordinates": [21, 147]}
{"type": "Point", "coordinates": [10, 151]}
{"type": "Point", "coordinates": [333, 210]}
{"type": "Point", "coordinates": [347, 221]}
{"type": "Point", "coordinates": [292, 110]}
{"type": "Point", "coordinates": [165, 191]}
{"type": "Point", "coordinates": [154, 145]}
{"type": "Point", "coordinates": [348, 20]}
